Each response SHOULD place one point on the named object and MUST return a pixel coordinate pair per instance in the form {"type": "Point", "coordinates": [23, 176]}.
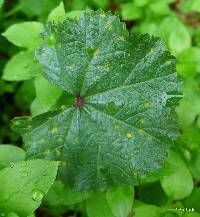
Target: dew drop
{"type": "Point", "coordinates": [37, 195]}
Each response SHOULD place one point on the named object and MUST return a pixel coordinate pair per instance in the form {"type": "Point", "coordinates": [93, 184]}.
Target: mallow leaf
{"type": "Point", "coordinates": [122, 121]}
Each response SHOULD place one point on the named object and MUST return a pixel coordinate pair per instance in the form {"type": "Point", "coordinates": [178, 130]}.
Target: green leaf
{"type": "Point", "coordinates": [179, 39]}
{"type": "Point", "coordinates": [60, 195]}
{"type": "Point", "coordinates": [130, 11]}
{"type": "Point", "coordinates": [25, 94]}
{"type": "Point", "coordinates": [57, 14]}
{"type": "Point", "coordinates": [20, 67]}
{"type": "Point", "coordinates": [120, 200]}
{"type": "Point", "coordinates": [97, 206]}
{"type": "Point", "coordinates": [190, 103]}
{"type": "Point", "coordinates": [1, 3]}
{"type": "Point", "coordinates": [101, 3]}
{"type": "Point", "coordinates": [144, 210]}
{"type": "Point", "coordinates": [194, 163]}
{"type": "Point", "coordinates": [188, 62]}
{"type": "Point", "coordinates": [46, 93]}
{"type": "Point", "coordinates": [24, 34]}
{"type": "Point", "coordinates": [23, 185]}
{"type": "Point", "coordinates": [160, 8]}
{"type": "Point", "coordinates": [12, 214]}
{"type": "Point", "coordinates": [74, 14]}
{"type": "Point", "coordinates": [192, 201]}
{"type": "Point", "coordinates": [141, 3]}
{"type": "Point", "coordinates": [36, 107]}
{"type": "Point", "coordinates": [37, 8]}
{"type": "Point", "coordinates": [180, 183]}
{"type": "Point", "coordinates": [122, 120]}
{"type": "Point", "coordinates": [10, 154]}
{"type": "Point", "coordinates": [195, 6]}
{"type": "Point", "coordinates": [152, 194]}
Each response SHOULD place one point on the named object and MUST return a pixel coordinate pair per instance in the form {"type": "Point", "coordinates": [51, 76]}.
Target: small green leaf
{"type": "Point", "coordinates": [97, 206]}
{"type": "Point", "coordinates": [36, 107]}
{"type": "Point", "coordinates": [10, 154]}
{"type": "Point", "coordinates": [141, 3]}
{"type": "Point", "coordinates": [190, 103]}
{"type": "Point", "coordinates": [20, 67]}
{"type": "Point", "coordinates": [180, 183]}
{"type": "Point", "coordinates": [101, 3]}
{"type": "Point", "coordinates": [75, 14]}
{"type": "Point", "coordinates": [24, 34]}
{"type": "Point", "coordinates": [152, 194]}
{"type": "Point", "coordinates": [12, 214]}
{"type": "Point", "coordinates": [179, 39]}
{"type": "Point", "coordinates": [192, 201]}
{"type": "Point", "coordinates": [130, 11]}
{"type": "Point", "coordinates": [1, 3]}
{"type": "Point", "coordinates": [23, 185]}
{"type": "Point", "coordinates": [46, 93]}
{"type": "Point", "coordinates": [57, 14]}
{"type": "Point", "coordinates": [160, 8]}
{"type": "Point", "coordinates": [120, 200]}
{"type": "Point", "coordinates": [195, 6]}
{"type": "Point", "coordinates": [188, 62]}
{"type": "Point", "coordinates": [144, 210]}
{"type": "Point", "coordinates": [37, 8]}
{"type": "Point", "coordinates": [60, 195]}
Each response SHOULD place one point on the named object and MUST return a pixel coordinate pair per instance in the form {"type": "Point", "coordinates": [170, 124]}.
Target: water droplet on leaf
{"type": "Point", "coordinates": [37, 195]}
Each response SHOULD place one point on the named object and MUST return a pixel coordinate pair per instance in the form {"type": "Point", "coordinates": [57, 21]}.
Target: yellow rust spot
{"type": "Point", "coordinates": [102, 14]}
{"type": "Point", "coordinates": [64, 163]}
{"type": "Point", "coordinates": [147, 104]}
{"type": "Point", "coordinates": [29, 126]}
{"type": "Point", "coordinates": [58, 153]}
{"type": "Point", "coordinates": [72, 66]}
{"type": "Point", "coordinates": [142, 120]}
{"type": "Point", "coordinates": [54, 129]}
{"type": "Point", "coordinates": [96, 53]}
{"type": "Point", "coordinates": [116, 126]}
{"type": "Point", "coordinates": [141, 131]}
{"type": "Point", "coordinates": [129, 135]}
{"type": "Point", "coordinates": [150, 137]}
{"type": "Point", "coordinates": [46, 152]}
{"type": "Point", "coordinates": [106, 66]}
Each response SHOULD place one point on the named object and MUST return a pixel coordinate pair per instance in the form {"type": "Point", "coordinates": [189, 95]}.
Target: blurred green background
{"type": "Point", "coordinates": [177, 22]}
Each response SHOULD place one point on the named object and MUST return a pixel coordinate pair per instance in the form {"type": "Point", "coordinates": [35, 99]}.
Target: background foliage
{"type": "Point", "coordinates": [24, 91]}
